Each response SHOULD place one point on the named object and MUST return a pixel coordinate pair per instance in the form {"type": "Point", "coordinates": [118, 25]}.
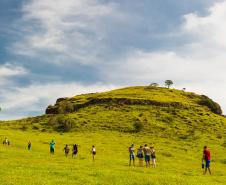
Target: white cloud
{"type": "Point", "coordinates": [57, 31]}
{"type": "Point", "coordinates": [199, 65]}
{"type": "Point", "coordinates": [20, 102]}
{"type": "Point", "coordinates": [8, 70]}
{"type": "Point", "coordinates": [209, 29]}
{"type": "Point", "coordinates": [62, 31]}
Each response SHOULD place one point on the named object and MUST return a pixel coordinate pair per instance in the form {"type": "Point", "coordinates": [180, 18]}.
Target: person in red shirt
{"type": "Point", "coordinates": [206, 158]}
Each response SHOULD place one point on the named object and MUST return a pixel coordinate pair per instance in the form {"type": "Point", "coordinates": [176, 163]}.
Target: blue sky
{"type": "Point", "coordinates": [54, 48]}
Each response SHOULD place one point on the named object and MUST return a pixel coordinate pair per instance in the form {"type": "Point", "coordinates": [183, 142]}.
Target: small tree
{"type": "Point", "coordinates": [154, 84]}
{"type": "Point", "coordinates": [168, 83]}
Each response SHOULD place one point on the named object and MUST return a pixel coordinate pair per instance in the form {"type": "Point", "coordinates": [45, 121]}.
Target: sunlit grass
{"type": "Point", "coordinates": [178, 162]}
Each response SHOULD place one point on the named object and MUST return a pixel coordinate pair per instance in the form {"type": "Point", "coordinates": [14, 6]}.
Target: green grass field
{"type": "Point", "coordinates": [178, 133]}
{"type": "Point", "coordinates": [178, 162]}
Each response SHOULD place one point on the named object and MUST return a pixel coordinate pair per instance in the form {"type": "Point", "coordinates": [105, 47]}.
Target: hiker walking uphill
{"type": "Point", "coordinates": [75, 150]}
{"type": "Point", "coordinates": [93, 152]}
{"type": "Point", "coordinates": [6, 142]}
{"type": "Point", "coordinates": [66, 150]}
{"type": "Point", "coordinates": [132, 155]}
{"type": "Point", "coordinates": [29, 145]}
{"type": "Point", "coordinates": [147, 155]}
{"type": "Point", "coordinates": [52, 147]}
{"type": "Point", "coordinates": [206, 158]}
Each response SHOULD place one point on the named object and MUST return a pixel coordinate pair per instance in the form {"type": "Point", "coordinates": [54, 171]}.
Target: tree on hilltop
{"type": "Point", "coordinates": [168, 83]}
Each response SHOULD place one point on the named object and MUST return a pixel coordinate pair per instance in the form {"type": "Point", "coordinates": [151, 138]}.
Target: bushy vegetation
{"type": "Point", "coordinates": [62, 123]}
{"type": "Point", "coordinates": [213, 106]}
{"type": "Point", "coordinates": [138, 126]}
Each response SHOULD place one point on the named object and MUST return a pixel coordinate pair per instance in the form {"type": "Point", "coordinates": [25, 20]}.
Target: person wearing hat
{"type": "Point", "coordinates": [153, 156]}
{"type": "Point", "coordinates": [132, 155]}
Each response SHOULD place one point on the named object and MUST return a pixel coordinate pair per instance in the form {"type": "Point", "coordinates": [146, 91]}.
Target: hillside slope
{"type": "Point", "coordinates": [178, 123]}
{"type": "Point", "coordinates": [160, 111]}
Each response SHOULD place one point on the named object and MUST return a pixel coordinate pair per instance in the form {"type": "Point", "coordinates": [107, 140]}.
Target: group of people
{"type": "Point", "coordinates": [66, 149]}
{"type": "Point", "coordinates": [143, 153]}
{"type": "Point", "coordinates": [149, 154]}
{"type": "Point", "coordinates": [74, 150]}
{"type": "Point", "coordinates": [6, 141]}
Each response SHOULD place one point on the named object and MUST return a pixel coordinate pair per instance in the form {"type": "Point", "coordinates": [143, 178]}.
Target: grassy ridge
{"type": "Point", "coordinates": [161, 111]}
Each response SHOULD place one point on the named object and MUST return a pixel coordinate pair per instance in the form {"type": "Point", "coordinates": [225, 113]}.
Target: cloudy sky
{"type": "Point", "coordinates": [55, 48]}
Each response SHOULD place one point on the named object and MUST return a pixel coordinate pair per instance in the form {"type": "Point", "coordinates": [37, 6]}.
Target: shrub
{"type": "Point", "coordinates": [65, 107]}
{"type": "Point", "coordinates": [61, 123]}
{"type": "Point", "coordinates": [213, 106]}
{"type": "Point", "coordinates": [154, 84]}
{"type": "Point", "coordinates": [138, 126]}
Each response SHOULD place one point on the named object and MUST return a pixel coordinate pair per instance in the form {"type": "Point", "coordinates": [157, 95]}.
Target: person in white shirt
{"type": "Point", "coordinates": [93, 152]}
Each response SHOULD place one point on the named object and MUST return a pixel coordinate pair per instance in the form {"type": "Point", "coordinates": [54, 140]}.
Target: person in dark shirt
{"type": "Point", "coordinates": [29, 145]}
{"type": "Point", "coordinates": [75, 150]}
{"type": "Point", "coordinates": [206, 158]}
{"type": "Point", "coordinates": [66, 150]}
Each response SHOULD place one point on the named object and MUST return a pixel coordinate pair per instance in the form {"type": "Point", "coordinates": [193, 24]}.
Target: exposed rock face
{"type": "Point", "coordinates": [62, 105]}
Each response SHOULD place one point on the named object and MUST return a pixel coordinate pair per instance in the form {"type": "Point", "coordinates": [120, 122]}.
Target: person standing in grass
{"type": "Point", "coordinates": [93, 152]}
{"type": "Point", "coordinates": [153, 156]}
{"type": "Point", "coordinates": [206, 158]}
{"type": "Point", "coordinates": [66, 150]}
{"type": "Point", "coordinates": [6, 141]}
{"type": "Point", "coordinates": [29, 145]}
{"type": "Point", "coordinates": [75, 150]}
{"type": "Point", "coordinates": [132, 155]}
{"type": "Point", "coordinates": [140, 155]}
{"type": "Point", "coordinates": [52, 147]}
{"type": "Point", "coordinates": [147, 154]}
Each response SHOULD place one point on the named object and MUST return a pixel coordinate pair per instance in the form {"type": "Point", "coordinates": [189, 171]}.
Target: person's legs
{"type": "Point", "coordinates": [154, 162]}
{"type": "Point", "coordinates": [140, 162]}
{"type": "Point", "coordinates": [133, 160]}
{"type": "Point", "coordinates": [52, 150]}
{"type": "Point", "coordinates": [148, 159]}
{"type": "Point", "coordinates": [205, 171]}
{"type": "Point", "coordinates": [208, 166]}
{"type": "Point", "coordinates": [209, 171]}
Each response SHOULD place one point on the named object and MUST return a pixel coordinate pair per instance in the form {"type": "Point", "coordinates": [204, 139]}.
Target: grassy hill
{"type": "Point", "coordinates": [178, 123]}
